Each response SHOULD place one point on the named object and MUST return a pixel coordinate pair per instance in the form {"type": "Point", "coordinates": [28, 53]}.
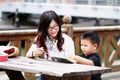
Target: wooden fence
{"type": "Point", "coordinates": [109, 49]}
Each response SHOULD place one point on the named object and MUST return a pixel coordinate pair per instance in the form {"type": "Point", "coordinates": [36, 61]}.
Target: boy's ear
{"type": "Point", "coordinates": [95, 46]}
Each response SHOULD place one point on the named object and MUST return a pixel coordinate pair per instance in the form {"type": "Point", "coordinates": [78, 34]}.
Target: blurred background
{"type": "Point", "coordinates": [26, 13]}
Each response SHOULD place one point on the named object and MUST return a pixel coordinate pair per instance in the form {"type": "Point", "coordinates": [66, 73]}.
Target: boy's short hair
{"type": "Point", "coordinates": [92, 36]}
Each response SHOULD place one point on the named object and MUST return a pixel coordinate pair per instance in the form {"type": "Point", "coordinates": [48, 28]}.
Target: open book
{"type": "Point", "coordinates": [62, 59]}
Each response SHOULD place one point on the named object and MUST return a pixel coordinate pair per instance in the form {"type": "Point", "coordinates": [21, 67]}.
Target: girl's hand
{"type": "Point", "coordinates": [38, 52]}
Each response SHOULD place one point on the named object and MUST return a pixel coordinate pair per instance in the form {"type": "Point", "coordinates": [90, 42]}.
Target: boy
{"type": "Point", "coordinates": [89, 44]}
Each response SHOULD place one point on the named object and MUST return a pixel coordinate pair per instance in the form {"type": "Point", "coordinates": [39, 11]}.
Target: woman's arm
{"type": "Point", "coordinates": [34, 52]}
{"type": "Point", "coordinates": [29, 53]}
{"type": "Point", "coordinates": [69, 46]}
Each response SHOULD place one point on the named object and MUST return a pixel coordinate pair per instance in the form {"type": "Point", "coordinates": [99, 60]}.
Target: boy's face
{"type": "Point", "coordinates": [87, 47]}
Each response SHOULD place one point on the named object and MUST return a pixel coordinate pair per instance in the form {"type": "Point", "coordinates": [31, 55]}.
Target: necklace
{"type": "Point", "coordinates": [53, 42]}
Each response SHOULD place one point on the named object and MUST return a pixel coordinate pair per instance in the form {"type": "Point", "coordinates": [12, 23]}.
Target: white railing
{"type": "Point", "coordinates": [108, 9]}
{"type": "Point", "coordinates": [84, 2]}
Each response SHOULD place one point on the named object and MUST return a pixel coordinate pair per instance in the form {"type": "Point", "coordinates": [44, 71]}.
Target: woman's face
{"type": "Point", "coordinates": [53, 29]}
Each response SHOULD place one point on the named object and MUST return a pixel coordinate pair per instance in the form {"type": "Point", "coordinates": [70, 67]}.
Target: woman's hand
{"type": "Point", "coordinates": [38, 52]}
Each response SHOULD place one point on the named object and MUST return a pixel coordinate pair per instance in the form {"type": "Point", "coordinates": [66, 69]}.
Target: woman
{"type": "Point", "coordinates": [50, 40]}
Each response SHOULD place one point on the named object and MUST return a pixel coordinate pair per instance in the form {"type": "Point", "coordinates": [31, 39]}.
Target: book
{"type": "Point", "coordinates": [62, 59]}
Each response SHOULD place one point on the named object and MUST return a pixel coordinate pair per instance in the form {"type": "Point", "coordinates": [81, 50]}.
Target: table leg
{"type": "Point", "coordinates": [14, 75]}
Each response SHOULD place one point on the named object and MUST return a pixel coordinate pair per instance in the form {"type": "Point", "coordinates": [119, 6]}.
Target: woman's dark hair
{"type": "Point", "coordinates": [45, 20]}
{"type": "Point", "coordinates": [92, 36]}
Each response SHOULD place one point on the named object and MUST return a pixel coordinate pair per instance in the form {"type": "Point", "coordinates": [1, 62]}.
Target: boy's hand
{"type": "Point", "coordinates": [72, 58]}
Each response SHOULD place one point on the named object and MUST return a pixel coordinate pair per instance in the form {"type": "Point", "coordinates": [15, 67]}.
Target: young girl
{"type": "Point", "coordinates": [50, 40]}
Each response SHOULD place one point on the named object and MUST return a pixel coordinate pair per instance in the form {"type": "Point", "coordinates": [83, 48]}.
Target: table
{"type": "Point", "coordinates": [58, 71]}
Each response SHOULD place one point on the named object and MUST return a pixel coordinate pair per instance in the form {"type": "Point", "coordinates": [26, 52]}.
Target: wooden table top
{"type": "Point", "coordinates": [50, 68]}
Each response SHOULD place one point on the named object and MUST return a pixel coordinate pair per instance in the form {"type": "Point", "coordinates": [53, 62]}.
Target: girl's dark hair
{"type": "Point", "coordinates": [92, 36]}
{"type": "Point", "coordinates": [45, 19]}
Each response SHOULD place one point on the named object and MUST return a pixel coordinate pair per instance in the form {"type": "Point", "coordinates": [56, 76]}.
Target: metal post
{"type": "Point", "coordinates": [97, 22]}
{"type": "Point", "coordinates": [16, 23]}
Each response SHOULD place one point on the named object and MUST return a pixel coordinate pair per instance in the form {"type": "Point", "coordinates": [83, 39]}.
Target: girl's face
{"type": "Point", "coordinates": [87, 47]}
{"type": "Point", "coordinates": [53, 29]}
